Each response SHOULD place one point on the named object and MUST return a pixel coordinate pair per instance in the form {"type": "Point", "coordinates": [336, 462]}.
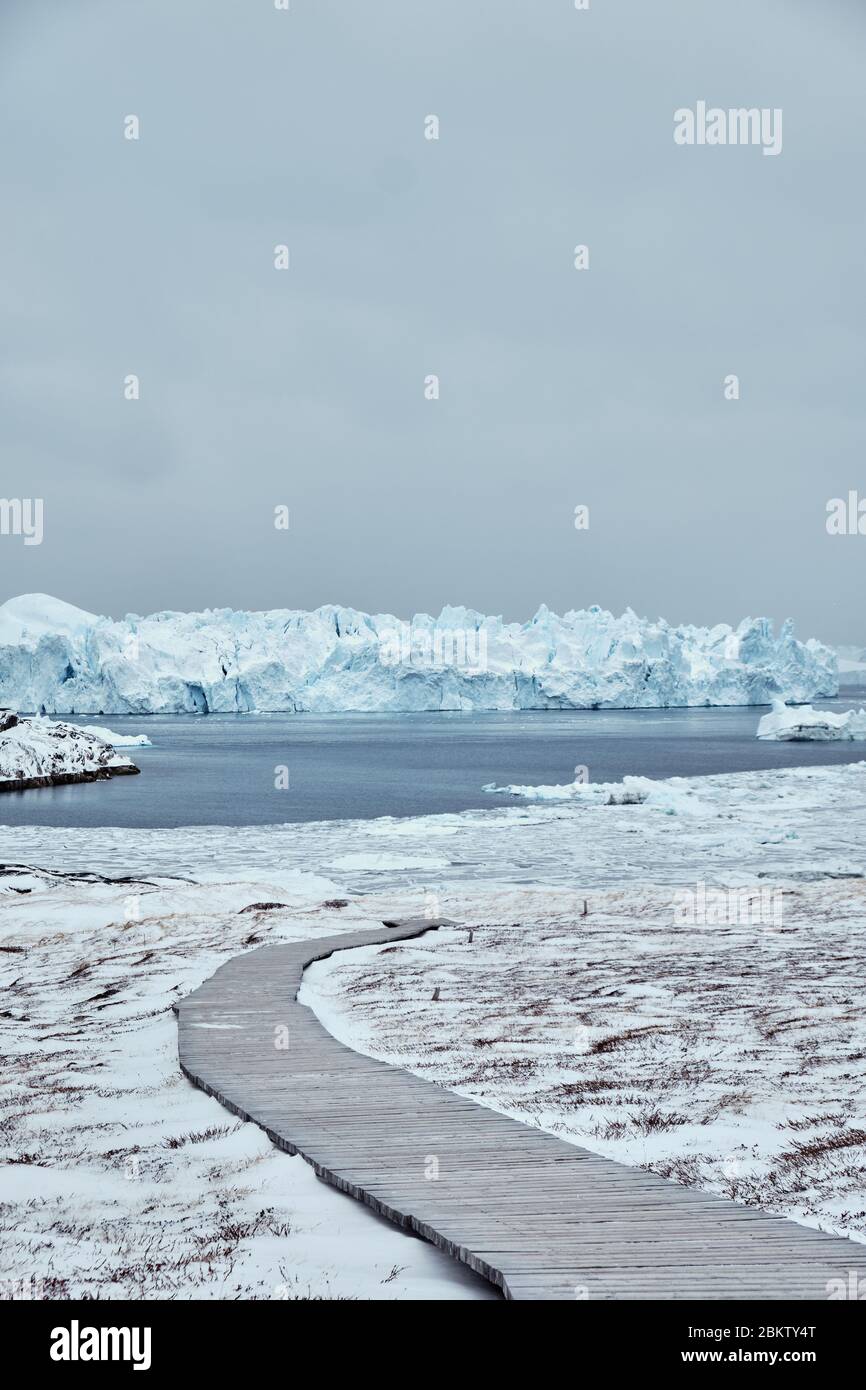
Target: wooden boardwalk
{"type": "Point", "coordinates": [540, 1218]}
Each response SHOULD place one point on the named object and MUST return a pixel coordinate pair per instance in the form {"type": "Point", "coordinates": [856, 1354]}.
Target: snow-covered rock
{"type": "Point", "coordinates": [40, 753]}
{"type": "Point", "coordinates": [62, 660]}
{"type": "Point", "coordinates": [798, 725]}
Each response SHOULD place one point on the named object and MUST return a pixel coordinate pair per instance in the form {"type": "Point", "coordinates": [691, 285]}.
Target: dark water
{"type": "Point", "coordinates": [220, 769]}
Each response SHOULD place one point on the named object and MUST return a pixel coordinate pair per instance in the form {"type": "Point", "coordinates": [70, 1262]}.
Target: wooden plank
{"type": "Point", "coordinates": [540, 1218]}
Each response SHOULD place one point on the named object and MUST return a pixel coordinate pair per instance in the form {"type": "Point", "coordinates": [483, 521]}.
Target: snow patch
{"type": "Point", "coordinates": [126, 1181]}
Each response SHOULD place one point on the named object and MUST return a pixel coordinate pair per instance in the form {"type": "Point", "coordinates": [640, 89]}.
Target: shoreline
{"type": "Point", "coordinates": [591, 707]}
{"type": "Point", "coordinates": [61, 779]}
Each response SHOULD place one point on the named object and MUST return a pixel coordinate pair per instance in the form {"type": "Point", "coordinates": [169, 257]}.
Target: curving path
{"type": "Point", "coordinates": [541, 1218]}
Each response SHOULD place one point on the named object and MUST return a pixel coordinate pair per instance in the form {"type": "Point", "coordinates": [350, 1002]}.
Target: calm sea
{"type": "Point", "coordinates": [223, 769]}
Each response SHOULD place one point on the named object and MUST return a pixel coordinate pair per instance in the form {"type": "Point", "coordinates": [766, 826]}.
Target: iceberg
{"type": "Point", "coordinates": [800, 725]}
{"type": "Point", "coordinates": [42, 753]}
{"type": "Point", "coordinates": [58, 659]}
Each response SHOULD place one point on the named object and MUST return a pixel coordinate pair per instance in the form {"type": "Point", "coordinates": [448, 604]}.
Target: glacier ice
{"type": "Point", "coordinates": [851, 660]}
{"type": "Point", "coordinates": [59, 659]}
{"type": "Point", "coordinates": [799, 725]}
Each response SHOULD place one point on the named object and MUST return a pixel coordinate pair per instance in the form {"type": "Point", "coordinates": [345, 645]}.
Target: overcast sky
{"type": "Point", "coordinates": [411, 257]}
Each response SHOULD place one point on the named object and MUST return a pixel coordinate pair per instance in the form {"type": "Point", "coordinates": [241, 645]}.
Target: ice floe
{"type": "Point", "coordinates": [803, 723]}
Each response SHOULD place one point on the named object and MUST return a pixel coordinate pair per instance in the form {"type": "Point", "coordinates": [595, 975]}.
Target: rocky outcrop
{"type": "Point", "coordinates": [41, 753]}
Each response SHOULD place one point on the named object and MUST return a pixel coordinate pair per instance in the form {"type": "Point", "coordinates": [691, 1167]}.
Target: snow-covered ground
{"type": "Point", "coordinates": [727, 1053]}
{"type": "Point", "coordinates": [64, 660]}
{"type": "Point", "coordinates": [118, 1178]}
{"type": "Point", "coordinates": [805, 723]}
{"type": "Point", "coordinates": [38, 752]}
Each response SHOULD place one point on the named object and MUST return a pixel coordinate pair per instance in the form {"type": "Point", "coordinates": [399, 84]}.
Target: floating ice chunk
{"type": "Point", "coordinates": [674, 796]}
{"type": "Point", "coordinates": [118, 740]}
{"type": "Point", "coordinates": [805, 723]}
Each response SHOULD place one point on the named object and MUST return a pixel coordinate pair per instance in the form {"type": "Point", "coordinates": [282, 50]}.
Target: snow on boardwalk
{"type": "Point", "coordinates": [541, 1218]}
